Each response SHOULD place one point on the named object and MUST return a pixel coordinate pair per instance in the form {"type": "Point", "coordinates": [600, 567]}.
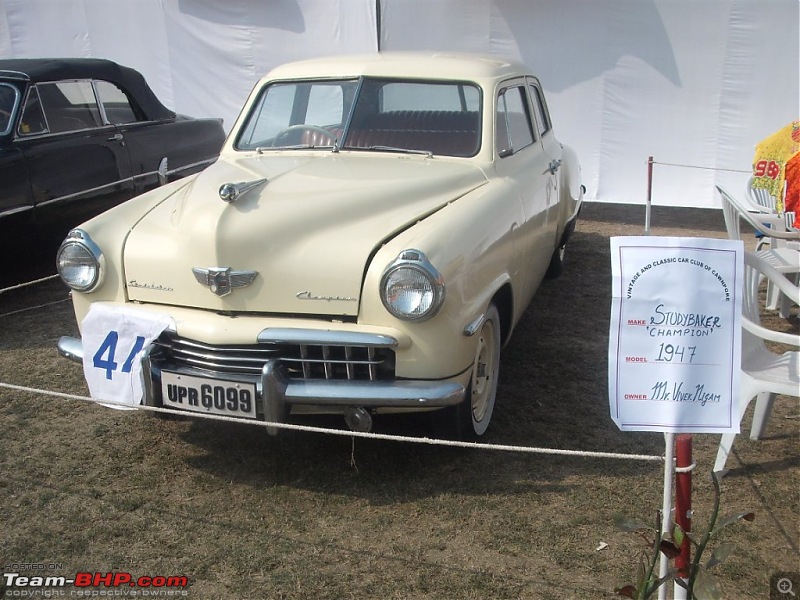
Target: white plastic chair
{"type": "Point", "coordinates": [760, 199]}
{"type": "Point", "coordinates": [781, 256]}
{"type": "Point", "coordinates": [764, 373]}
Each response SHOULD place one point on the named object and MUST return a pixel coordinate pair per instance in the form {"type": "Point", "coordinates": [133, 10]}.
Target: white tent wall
{"type": "Point", "coordinates": [201, 57]}
{"type": "Point", "coordinates": [693, 83]}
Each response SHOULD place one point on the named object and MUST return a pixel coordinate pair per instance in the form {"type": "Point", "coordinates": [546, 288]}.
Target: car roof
{"type": "Point", "coordinates": [419, 65]}
{"type": "Point", "coordinates": [39, 70]}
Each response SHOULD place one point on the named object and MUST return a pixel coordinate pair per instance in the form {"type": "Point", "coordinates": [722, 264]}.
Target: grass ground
{"type": "Point", "coordinates": [302, 515]}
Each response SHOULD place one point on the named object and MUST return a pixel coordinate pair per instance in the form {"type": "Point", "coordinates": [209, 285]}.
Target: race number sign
{"type": "Point", "coordinates": [113, 339]}
{"type": "Point", "coordinates": [675, 334]}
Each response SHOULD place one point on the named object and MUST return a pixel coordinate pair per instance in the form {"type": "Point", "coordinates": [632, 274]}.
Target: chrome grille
{"type": "Point", "coordinates": [299, 360]}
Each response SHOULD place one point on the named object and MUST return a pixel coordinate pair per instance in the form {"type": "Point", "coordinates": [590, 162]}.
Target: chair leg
{"type": "Point", "coordinates": [773, 296]}
{"type": "Point", "coordinates": [761, 414]}
{"type": "Point", "coordinates": [725, 445]}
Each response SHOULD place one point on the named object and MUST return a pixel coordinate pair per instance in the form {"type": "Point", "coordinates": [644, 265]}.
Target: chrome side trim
{"type": "Point", "coordinates": [84, 192]}
{"type": "Point", "coordinates": [193, 165]}
{"type": "Point", "coordinates": [131, 179]}
{"type": "Point", "coordinates": [321, 337]}
{"type": "Point", "coordinates": [14, 211]}
{"type": "Point", "coordinates": [473, 327]}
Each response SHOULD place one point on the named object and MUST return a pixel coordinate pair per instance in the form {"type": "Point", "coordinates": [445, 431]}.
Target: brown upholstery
{"type": "Point", "coordinates": [447, 133]}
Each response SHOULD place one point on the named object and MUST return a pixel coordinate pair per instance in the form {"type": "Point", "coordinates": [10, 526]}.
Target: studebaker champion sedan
{"type": "Point", "coordinates": [372, 232]}
{"type": "Point", "coordinates": [78, 136]}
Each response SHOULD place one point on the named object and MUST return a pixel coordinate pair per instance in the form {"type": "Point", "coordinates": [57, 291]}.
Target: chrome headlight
{"type": "Point", "coordinates": [411, 287]}
{"type": "Point", "coordinates": [80, 262]}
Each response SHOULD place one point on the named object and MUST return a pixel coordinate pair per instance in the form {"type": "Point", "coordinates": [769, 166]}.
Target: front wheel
{"type": "Point", "coordinates": [470, 419]}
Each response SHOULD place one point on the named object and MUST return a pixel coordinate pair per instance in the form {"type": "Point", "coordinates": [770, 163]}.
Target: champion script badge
{"type": "Point", "coordinates": [223, 280]}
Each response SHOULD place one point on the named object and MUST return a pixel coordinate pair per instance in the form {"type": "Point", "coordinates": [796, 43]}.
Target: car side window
{"type": "Point", "coordinates": [32, 121]}
{"type": "Point", "coordinates": [513, 130]}
{"type": "Point", "coordinates": [69, 105]}
{"type": "Point", "coordinates": [540, 108]}
{"type": "Point", "coordinates": [8, 102]}
{"type": "Point", "coordinates": [116, 105]}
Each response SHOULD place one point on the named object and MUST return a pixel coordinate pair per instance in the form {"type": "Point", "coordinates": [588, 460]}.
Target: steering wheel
{"type": "Point", "coordinates": [281, 136]}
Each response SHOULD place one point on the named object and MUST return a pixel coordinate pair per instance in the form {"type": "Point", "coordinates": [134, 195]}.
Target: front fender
{"type": "Point", "coordinates": [471, 243]}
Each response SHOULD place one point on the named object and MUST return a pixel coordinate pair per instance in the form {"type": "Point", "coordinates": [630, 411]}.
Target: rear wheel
{"type": "Point", "coordinates": [556, 266]}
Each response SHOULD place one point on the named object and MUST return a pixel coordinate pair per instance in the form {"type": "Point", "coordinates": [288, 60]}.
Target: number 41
{"type": "Point", "coordinates": [108, 349]}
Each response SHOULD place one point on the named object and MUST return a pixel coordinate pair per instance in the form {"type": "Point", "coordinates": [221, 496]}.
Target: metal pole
{"type": "Point", "coordinates": [666, 510]}
{"type": "Point", "coordinates": [649, 195]}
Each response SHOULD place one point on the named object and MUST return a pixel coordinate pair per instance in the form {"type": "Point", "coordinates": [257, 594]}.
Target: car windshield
{"type": "Point", "coordinates": [8, 101]}
{"type": "Point", "coordinates": [429, 117]}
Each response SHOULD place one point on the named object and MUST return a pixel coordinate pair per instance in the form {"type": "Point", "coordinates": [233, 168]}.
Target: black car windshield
{"type": "Point", "coordinates": [381, 115]}
{"type": "Point", "coordinates": [8, 102]}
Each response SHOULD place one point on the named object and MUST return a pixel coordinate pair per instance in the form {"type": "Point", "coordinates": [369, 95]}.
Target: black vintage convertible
{"type": "Point", "coordinates": [78, 136]}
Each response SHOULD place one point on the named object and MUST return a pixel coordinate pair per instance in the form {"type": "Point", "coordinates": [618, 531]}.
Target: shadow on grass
{"type": "Point", "coordinates": [552, 393]}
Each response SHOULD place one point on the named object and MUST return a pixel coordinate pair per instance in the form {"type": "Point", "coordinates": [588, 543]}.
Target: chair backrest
{"type": "Point", "coordinates": [760, 197]}
{"type": "Point", "coordinates": [731, 214]}
{"type": "Point", "coordinates": [734, 212]}
{"type": "Point", "coordinates": [753, 333]}
{"type": "Point", "coordinates": [768, 225]}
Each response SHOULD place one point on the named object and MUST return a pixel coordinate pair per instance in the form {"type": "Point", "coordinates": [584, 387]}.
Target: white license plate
{"type": "Point", "coordinates": [214, 396]}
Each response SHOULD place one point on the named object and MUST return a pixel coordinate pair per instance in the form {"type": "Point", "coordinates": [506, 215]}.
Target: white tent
{"type": "Point", "coordinates": [692, 83]}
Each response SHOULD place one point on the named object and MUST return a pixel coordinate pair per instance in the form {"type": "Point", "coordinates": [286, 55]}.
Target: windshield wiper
{"type": "Point", "coordinates": [427, 153]}
{"type": "Point", "coordinates": [262, 149]}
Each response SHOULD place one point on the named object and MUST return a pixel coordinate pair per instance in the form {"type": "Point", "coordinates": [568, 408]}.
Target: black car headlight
{"type": "Point", "coordinates": [80, 262]}
{"type": "Point", "coordinates": [411, 287]}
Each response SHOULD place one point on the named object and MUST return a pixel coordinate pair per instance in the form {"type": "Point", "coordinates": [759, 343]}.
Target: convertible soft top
{"type": "Point", "coordinates": [36, 70]}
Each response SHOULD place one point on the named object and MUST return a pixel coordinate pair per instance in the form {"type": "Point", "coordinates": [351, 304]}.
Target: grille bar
{"type": "Point", "coordinates": [308, 361]}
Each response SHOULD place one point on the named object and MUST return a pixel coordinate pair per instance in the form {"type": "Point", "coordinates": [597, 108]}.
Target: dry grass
{"type": "Point", "coordinates": [304, 515]}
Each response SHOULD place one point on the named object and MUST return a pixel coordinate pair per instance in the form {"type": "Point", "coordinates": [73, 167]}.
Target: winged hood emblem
{"type": "Point", "coordinates": [223, 280]}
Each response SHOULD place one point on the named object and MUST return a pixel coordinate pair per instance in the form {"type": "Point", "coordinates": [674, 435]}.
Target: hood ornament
{"type": "Point", "coordinates": [229, 192]}
{"type": "Point", "coordinates": [222, 280]}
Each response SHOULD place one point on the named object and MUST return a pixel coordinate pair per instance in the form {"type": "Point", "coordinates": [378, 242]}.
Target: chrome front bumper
{"type": "Point", "coordinates": [279, 393]}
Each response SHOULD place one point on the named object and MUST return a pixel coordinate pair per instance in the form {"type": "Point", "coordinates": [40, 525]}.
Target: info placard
{"type": "Point", "coordinates": [675, 334]}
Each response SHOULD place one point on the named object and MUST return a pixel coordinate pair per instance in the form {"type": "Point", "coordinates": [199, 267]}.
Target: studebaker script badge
{"type": "Point", "coordinates": [222, 280]}
{"type": "Point", "coordinates": [149, 286]}
{"type": "Point", "coordinates": [310, 296]}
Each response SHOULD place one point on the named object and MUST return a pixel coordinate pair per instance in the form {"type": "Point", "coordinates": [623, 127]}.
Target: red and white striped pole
{"type": "Point", "coordinates": [683, 506]}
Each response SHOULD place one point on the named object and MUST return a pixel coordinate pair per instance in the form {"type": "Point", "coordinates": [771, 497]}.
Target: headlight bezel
{"type": "Point", "coordinates": [415, 261]}
{"type": "Point", "coordinates": [80, 240]}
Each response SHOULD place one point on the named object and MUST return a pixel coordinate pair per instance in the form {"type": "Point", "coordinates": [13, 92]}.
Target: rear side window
{"type": "Point", "coordinates": [513, 121]}
{"type": "Point", "coordinates": [115, 103]}
{"type": "Point", "coordinates": [540, 107]}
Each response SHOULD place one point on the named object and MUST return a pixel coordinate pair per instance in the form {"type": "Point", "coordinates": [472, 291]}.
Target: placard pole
{"type": "Point", "coordinates": [666, 510]}
{"type": "Point", "coordinates": [649, 195]}
{"type": "Point", "coordinates": [683, 507]}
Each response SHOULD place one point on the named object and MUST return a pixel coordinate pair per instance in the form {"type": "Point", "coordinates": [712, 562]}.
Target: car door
{"type": "Point", "coordinates": [550, 146]}
{"type": "Point", "coordinates": [524, 166]}
{"type": "Point", "coordinates": [16, 207]}
{"type": "Point", "coordinates": [78, 165]}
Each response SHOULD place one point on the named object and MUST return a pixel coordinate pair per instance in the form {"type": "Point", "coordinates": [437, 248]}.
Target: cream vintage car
{"type": "Point", "coordinates": [371, 233]}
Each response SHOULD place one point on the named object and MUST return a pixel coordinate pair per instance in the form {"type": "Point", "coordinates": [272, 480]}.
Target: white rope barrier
{"type": "Point", "coordinates": [347, 433]}
{"type": "Point", "coordinates": [28, 283]}
{"type": "Point", "coordinates": [27, 308]}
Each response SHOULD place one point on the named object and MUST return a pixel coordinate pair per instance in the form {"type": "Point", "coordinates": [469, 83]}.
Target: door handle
{"type": "Point", "coordinates": [117, 137]}
{"type": "Point", "coordinates": [553, 166]}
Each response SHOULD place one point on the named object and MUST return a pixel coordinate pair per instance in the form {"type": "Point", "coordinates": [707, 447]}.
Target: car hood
{"type": "Point", "coordinates": [307, 232]}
